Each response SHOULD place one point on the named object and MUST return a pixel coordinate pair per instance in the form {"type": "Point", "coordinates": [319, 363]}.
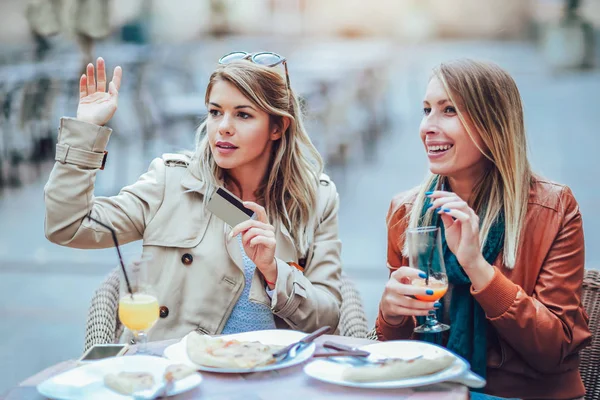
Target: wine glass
{"type": "Point", "coordinates": [425, 254]}
{"type": "Point", "coordinates": [138, 310]}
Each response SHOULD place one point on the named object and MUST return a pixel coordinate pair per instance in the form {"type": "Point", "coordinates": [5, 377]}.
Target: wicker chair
{"type": "Point", "coordinates": [590, 356]}
{"type": "Point", "coordinates": [353, 320]}
{"type": "Point", "coordinates": [103, 326]}
{"type": "Point", "coordinates": [372, 335]}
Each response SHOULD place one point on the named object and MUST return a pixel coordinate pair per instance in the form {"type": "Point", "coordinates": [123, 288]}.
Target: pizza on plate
{"type": "Point", "coordinates": [129, 382]}
{"type": "Point", "coordinates": [397, 369]}
{"type": "Point", "coordinates": [227, 353]}
{"type": "Point", "coordinates": [179, 371]}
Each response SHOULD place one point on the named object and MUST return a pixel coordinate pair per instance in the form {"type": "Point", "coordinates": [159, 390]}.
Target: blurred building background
{"type": "Point", "coordinates": [361, 69]}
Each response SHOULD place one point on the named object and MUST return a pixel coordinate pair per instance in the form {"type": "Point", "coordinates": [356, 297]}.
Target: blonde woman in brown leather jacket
{"type": "Point", "coordinates": [514, 239]}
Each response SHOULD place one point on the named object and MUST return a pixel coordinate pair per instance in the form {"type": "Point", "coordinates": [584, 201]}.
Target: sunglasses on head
{"type": "Point", "coordinates": [266, 58]}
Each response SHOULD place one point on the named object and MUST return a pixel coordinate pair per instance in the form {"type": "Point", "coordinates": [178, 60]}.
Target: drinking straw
{"type": "Point", "coordinates": [429, 271]}
{"type": "Point", "coordinates": [114, 237]}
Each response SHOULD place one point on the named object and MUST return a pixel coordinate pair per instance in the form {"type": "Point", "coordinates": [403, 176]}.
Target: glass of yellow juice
{"type": "Point", "coordinates": [138, 309]}
{"type": "Point", "coordinates": [425, 253]}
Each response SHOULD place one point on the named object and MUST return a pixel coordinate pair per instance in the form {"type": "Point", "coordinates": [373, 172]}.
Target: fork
{"type": "Point", "coordinates": [291, 350]}
{"type": "Point", "coordinates": [357, 356]}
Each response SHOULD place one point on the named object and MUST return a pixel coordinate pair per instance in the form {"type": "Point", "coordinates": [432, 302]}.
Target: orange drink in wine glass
{"type": "Point", "coordinates": [425, 254]}
{"type": "Point", "coordinates": [439, 289]}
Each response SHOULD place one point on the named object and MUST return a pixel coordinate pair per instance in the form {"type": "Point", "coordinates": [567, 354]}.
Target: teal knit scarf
{"type": "Point", "coordinates": [468, 324]}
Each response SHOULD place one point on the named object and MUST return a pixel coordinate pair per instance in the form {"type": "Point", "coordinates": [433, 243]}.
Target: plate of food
{"type": "Point", "coordinates": [121, 378]}
{"type": "Point", "coordinates": [239, 353]}
{"type": "Point", "coordinates": [391, 365]}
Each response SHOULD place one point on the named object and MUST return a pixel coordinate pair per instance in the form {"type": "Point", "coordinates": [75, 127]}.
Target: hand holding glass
{"type": "Point", "coordinates": [425, 254]}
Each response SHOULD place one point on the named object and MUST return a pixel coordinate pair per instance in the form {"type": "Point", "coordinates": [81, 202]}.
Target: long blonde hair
{"type": "Point", "coordinates": [488, 96]}
{"type": "Point", "coordinates": [289, 190]}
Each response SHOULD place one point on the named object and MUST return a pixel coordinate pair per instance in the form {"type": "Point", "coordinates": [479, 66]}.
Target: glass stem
{"type": "Point", "coordinates": [431, 320]}
{"type": "Point", "coordinates": [141, 339]}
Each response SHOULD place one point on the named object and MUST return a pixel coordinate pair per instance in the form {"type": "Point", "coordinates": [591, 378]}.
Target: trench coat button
{"type": "Point", "coordinates": [187, 259]}
{"type": "Point", "coordinates": [164, 311]}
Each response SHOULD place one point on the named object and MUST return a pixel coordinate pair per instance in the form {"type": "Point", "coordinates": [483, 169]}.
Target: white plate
{"type": "Point", "coordinates": [177, 352]}
{"type": "Point", "coordinates": [87, 381]}
{"type": "Point", "coordinates": [330, 371]}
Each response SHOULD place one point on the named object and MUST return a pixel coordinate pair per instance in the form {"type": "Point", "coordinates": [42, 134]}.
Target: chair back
{"type": "Point", "coordinates": [589, 366]}
{"type": "Point", "coordinates": [103, 325]}
{"type": "Point", "coordinates": [353, 319]}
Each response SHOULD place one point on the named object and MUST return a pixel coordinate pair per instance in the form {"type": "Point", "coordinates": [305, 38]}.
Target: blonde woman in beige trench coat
{"type": "Point", "coordinates": [254, 144]}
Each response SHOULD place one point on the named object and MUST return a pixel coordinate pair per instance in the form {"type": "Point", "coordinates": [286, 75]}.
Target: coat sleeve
{"type": "Point", "coordinates": [549, 327]}
{"type": "Point", "coordinates": [310, 300]}
{"type": "Point", "coordinates": [69, 193]}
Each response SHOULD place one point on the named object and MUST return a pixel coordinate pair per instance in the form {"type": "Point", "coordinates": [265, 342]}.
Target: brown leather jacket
{"type": "Point", "coordinates": [537, 322]}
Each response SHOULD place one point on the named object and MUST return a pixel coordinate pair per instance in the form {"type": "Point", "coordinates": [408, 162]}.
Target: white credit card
{"type": "Point", "coordinates": [228, 207]}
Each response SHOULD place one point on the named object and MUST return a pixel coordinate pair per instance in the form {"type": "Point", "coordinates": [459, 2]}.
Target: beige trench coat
{"type": "Point", "coordinates": [164, 209]}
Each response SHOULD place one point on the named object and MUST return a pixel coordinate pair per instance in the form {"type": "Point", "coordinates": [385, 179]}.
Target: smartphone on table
{"type": "Point", "coordinates": [228, 207]}
{"type": "Point", "coordinates": [101, 351]}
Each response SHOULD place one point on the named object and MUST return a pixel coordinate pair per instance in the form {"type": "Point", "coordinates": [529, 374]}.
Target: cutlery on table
{"type": "Point", "coordinates": [291, 350]}
{"type": "Point", "coordinates": [357, 356]}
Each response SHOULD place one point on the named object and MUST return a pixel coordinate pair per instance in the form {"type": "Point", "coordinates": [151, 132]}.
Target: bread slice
{"type": "Point", "coordinates": [129, 382]}
{"type": "Point", "coordinates": [179, 371]}
{"type": "Point", "coordinates": [223, 353]}
{"type": "Point", "coordinates": [398, 369]}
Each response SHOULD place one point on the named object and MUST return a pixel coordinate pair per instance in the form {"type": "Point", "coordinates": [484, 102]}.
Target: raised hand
{"type": "Point", "coordinates": [96, 106]}
{"type": "Point", "coordinates": [258, 238]}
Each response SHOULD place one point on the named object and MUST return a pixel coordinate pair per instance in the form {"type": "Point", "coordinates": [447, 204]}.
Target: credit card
{"type": "Point", "coordinates": [228, 207]}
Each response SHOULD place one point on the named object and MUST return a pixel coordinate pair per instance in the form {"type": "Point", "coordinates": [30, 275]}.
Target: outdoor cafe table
{"type": "Point", "coordinates": [284, 384]}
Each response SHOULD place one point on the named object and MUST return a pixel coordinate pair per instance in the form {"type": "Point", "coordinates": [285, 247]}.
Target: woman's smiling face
{"type": "Point", "coordinates": [450, 149]}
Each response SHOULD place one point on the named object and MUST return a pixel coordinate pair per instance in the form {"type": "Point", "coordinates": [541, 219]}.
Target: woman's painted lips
{"type": "Point", "coordinates": [225, 147]}
{"type": "Point", "coordinates": [438, 150]}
